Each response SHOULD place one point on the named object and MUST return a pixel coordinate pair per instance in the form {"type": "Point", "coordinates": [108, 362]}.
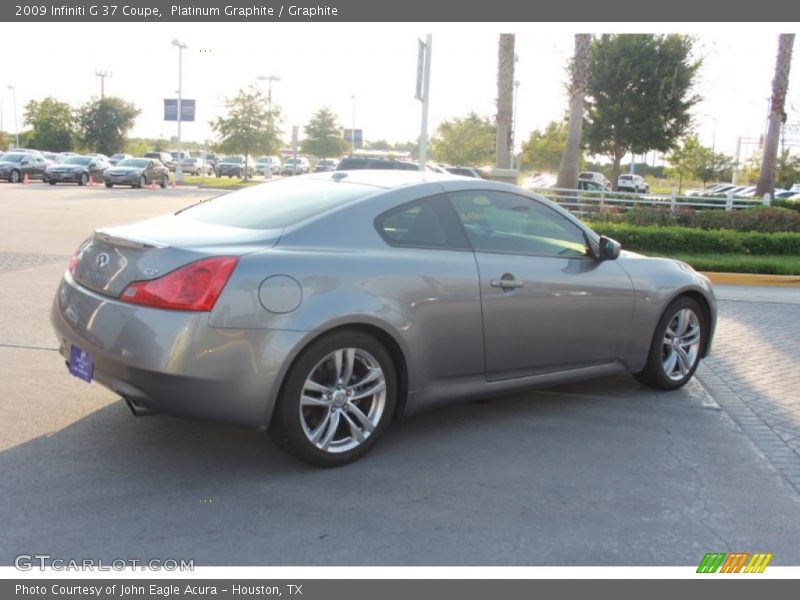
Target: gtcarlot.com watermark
{"type": "Point", "coordinates": [29, 562]}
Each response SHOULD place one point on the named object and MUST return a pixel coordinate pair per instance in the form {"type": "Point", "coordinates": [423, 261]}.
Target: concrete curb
{"type": "Point", "coordinates": [753, 279]}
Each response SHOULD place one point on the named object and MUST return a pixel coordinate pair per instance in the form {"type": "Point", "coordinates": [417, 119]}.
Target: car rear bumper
{"type": "Point", "coordinates": [172, 362]}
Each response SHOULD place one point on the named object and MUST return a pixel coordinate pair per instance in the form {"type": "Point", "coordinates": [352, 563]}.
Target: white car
{"type": "Point", "coordinates": [271, 163]}
{"type": "Point", "coordinates": [296, 166]}
{"type": "Point", "coordinates": [630, 182]}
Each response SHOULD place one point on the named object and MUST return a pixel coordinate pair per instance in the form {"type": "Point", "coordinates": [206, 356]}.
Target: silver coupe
{"type": "Point", "coordinates": [324, 306]}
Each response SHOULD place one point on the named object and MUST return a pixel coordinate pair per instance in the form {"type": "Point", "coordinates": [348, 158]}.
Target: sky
{"type": "Point", "coordinates": [323, 64]}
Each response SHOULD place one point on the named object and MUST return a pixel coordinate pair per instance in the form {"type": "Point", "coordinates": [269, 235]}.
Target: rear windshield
{"type": "Point", "coordinates": [279, 204]}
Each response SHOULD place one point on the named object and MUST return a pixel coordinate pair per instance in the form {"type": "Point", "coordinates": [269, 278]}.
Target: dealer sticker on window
{"type": "Point", "coordinates": [81, 364]}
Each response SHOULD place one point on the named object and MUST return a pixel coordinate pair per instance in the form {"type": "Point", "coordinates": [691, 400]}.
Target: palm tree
{"type": "Point", "coordinates": [568, 170]}
{"type": "Point", "coordinates": [505, 100]}
{"type": "Point", "coordinates": [777, 115]}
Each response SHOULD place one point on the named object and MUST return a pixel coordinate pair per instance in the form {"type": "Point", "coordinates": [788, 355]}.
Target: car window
{"type": "Point", "coordinates": [511, 224]}
{"type": "Point", "coordinates": [426, 223]}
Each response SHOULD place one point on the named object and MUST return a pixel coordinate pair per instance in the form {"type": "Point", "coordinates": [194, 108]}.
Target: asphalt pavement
{"type": "Point", "coordinates": [599, 473]}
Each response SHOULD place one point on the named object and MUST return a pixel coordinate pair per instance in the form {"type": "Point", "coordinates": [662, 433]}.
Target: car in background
{"type": "Point", "coordinates": [115, 158]}
{"type": "Point", "coordinates": [165, 158]}
{"type": "Point", "coordinates": [76, 169]}
{"type": "Point", "coordinates": [325, 165]}
{"type": "Point", "coordinates": [211, 159]}
{"type": "Point", "coordinates": [179, 156]}
{"type": "Point", "coordinates": [590, 186]}
{"type": "Point", "coordinates": [630, 182]}
{"type": "Point", "coordinates": [14, 166]}
{"type": "Point", "coordinates": [463, 171]}
{"type": "Point", "coordinates": [784, 194]}
{"type": "Point", "coordinates": [273, 307]}
{"type": "Point", "coordinates": [235, 166]}
{"type": "Point", "coordinates": [540, 180]}
{"type": "Point", "coordinates": [296, 166]}
{"type": "Point", "coordinates": [268, 164]}
{"type": "Point", "coordinates": [350, 163]}
{"type": "Point", "coordinates": [137, 172]}
{"type": "Point", "coordinates": [51, 157]}
{"type": "Point", "coordinates": [596, 177]}
{"type": "Point", "coordinates": [196, 166]}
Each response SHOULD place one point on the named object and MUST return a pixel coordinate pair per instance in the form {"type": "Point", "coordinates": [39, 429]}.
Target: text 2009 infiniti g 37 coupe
{"type": "Point", "coordinates": [324, 306]}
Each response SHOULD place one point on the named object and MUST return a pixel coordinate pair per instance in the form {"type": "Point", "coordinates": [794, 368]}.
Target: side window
{"type": "Point", "coordinates": [510, 224]}
{"type": "Point", "coordinates": [426, 223]}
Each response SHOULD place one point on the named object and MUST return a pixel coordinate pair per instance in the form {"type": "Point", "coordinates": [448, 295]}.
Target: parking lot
{"type": "Point", "coordinates": [600, 473]}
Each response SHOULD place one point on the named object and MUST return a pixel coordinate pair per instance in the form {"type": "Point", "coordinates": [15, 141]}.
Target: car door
{"type": "Point", "coordinates": [547, 303]}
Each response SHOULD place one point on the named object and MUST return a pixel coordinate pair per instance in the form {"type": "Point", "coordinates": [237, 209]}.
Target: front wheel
{"type": "Point", "coordinates": [676, 346]}
{"type": "Point", "coordinates": [337, 400]}
{"type": "Point", "coordinates": [14, 176]}
{"type": "Point", "coordinates": [84, 179]}
{"type": "Point", "coordinates": [109, 185]}
{"type": "Point", "coordinates": [142, 182]}
{"type": "Point", "coordinates": [164, 182]}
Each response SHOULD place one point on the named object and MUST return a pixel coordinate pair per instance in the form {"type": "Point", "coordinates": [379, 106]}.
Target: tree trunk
{"type": "Point", "coordinates": [568, 170]}
{"type": "Point", "coordinates": [615, 171]}
{"type": "Point", "coordinates": [505, 100]}
{"type": "Point", "coordinates": [777, 115]}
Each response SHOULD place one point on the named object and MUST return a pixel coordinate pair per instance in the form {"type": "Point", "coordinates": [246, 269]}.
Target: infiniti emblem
{"type": "Point", "coordinates": [102, 260]}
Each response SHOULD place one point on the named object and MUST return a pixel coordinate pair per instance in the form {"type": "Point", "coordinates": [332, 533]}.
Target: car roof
{"type": "Point", "coordinates": [387, 178]}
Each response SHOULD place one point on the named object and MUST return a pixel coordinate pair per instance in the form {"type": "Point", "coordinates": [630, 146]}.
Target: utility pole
{"type": "Point", "coordinates": [102, 74]}
{"type": "Point", "coordinates": [423, 94]}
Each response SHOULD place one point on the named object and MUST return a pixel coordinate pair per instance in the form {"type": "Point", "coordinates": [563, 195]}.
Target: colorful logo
{"type": "Point", "coordinates": [737, 562]}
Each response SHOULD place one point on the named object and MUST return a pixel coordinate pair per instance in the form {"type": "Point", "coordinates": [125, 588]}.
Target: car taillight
{"type": "Point", "coordinates": [73, 262]}
{"type": "Point", "coordinates": [195, 286]}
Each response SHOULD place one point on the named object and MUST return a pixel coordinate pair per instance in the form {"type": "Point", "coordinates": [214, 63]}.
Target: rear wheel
{"type": "Point", "coordinates": [109, 185]}
{"type": "Point", "coordinates": [164, 181]}
{"type": "Point", "coordinates": [337, 399]}
{"type": "Point", "coordinates": [14, 176]}
{"type": "Point", "coordinates": [52, 182]}
{"type": "Point", "coordinates": [142, 182]}
{"type": "Point", "coordinates": [676, 346]}
{"type": "Point", "coordinates": [84, 179]}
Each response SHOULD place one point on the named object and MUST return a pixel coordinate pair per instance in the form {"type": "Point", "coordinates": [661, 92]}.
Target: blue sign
{"type": "Point", "coordinates": [171, 109]}
{"type": "Point", "coordinates": [348, 136]}
{"type": "Point", "coordinates": [81, 364]}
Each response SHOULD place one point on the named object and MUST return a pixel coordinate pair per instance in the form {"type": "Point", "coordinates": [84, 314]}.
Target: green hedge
{"type": "Point", "coordinates": [761, 218]}
{"type": "Point", "coordinates": [677, 240]}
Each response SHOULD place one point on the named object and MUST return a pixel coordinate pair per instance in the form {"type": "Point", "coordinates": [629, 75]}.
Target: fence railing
{"type": "Point", "coordinates": [582, 201]}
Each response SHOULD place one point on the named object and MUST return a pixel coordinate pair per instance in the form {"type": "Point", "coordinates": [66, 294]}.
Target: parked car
{"type": "Point", "coordinates": [296, 166]}
{"type": "Point", "coordinates": [234, 166]}
{"type": "Point", "coordinates": [14, 166]}
{"type": "Point", "coordinates": [325, 165]}
{"type": "Point", "coordinates": [210, 159]}
{"type": "Point", "coordinates": [591, 186]}
{"type": "Point", "coordinates": [265, 164]}
{"type": "Point", "coordinates": [324, 306]}
{"type": "Point", "coordinates": [463, 171]}
{"type": "Point", "coordinates": [137, 172]}
{"type": "Point", "coordinates": [596, 177]}
{"type": "Point", "coordinates": [630, 182]}
{"type": "Point", "coordinates": [76, 169]}
{"type": "Point", "coordinates": [115, 158]}
{"type": "Point", "coordinates": [539, 180]}
{"type": "Point", "coordinates": [165, 158]}
{"type": "Point", "coordinates": [196, 166]}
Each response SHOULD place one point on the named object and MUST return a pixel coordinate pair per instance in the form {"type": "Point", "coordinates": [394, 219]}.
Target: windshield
{"type": "Point", "coordinates": [140, 163]}
{"type": "Point", "coordinates": [13, 157]}
{"type": "Point", "coordinates": [277, 205]}
{"type": "Point", "coordinates": [77, 160]}
{"type": "Point", "coordinates": [232, 159]}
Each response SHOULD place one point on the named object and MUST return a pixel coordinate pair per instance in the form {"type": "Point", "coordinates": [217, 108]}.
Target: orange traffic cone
{"type": "Point", "coordinates": [153, 184]}
{"type": "Point", "coordinates": [174, 184]}
{"type": "Point", "coordinates": [25, 179]}
{"type": "Point", "coordinates": [91, 181]}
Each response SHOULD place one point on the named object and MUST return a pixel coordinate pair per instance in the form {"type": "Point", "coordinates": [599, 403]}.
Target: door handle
{"type": "Point", "coordinates": [506, 283]}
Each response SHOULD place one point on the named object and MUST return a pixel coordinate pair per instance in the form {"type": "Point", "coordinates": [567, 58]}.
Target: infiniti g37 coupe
{"type": "Point", "coordinates": [323, 306]}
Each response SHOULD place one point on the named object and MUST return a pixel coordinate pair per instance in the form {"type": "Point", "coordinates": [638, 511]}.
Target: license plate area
{"type": "Point", "coordinates": [81, 364]}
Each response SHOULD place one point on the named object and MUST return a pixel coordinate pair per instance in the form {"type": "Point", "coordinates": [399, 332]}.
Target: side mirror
{"type": "Point", "coordinates": [609, 249]}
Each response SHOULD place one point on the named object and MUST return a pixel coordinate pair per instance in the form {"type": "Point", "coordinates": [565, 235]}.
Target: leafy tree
{"type": "Point", "coordinates": [544, 149]}
{"type": "Point", "coordinates": [505, 100]}
{"type": "Point", "coordinates": [464, 141]}
{"type": "Point", "coordinates": [381, 145]}
{"type": "Point", "coordinates": [53, 125]}
{"type": "Point", "coordinates": [777, 114]}
{"type": "Point", "coordinates": [323, 135]}
{"type": "Point", "coordinates": [104, 124]}
{"type": "Point", "coordinates": [692, 158]}
{"type": "Point", "coordinates": [247, 128]}
{"type": "Point", "coordinates": [571, 158]}
{"type": "Point", "coordinates": [639, 94]}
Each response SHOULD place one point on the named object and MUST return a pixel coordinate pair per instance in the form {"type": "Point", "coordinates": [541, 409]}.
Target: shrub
{"type": "Point", "coordinates": [762, 218]}
{"type": "Point", "coordinates": [698, 241]}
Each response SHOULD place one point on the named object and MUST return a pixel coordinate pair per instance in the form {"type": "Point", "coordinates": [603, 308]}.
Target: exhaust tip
{"type": "Point", "coordinates": [137, 409]}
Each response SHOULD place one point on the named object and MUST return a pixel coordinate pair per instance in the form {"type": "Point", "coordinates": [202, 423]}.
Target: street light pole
{"type": "Point", "coordinates": [178, 169]}
{"type": "Point", "coordinates": [16, 126]}
{"type": "Point", "coordinates": [102, 75]}
{"type": "Point", "coordinates": [269, 79]}
{"type": "Point", "coordinates": [353, 130]}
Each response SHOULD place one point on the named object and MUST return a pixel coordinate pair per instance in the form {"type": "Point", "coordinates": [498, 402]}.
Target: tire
{"type": "Point", "coordinates": [324, 422]}
{"type": "Point", "coordinates": [14, 177]}
{"type": "Point", "coordinates": [109, 185]}
{"type": "Point", "coordinates": [676, 346]}
{"type": "Point", "coordinates": [142, 182]}
{"type": "Point", "coordinates": [84, 179]}
{"type": "Point", "coordinates": [52, 182]}
{"type": "Point", "coordinates": [164, 182]}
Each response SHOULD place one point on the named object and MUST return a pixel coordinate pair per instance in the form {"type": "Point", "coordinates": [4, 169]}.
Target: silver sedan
{"type": "Point", "coordinates": [324, 306]}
